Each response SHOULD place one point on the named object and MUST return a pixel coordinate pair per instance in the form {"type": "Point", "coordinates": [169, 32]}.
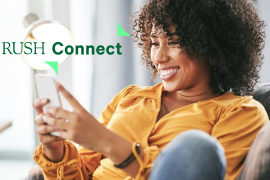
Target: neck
{"type": "Point", "coordinates": [193, 94]}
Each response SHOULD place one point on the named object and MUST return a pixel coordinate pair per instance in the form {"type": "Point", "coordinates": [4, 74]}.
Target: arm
{"type": "Point", "coordinates": [72, 166]}
{"type": "Point", "coordinates": [140, 168]}
{"type": "Point", "coordinates": [236, 129]}
{"type": "Point", "coordinates": [77, 161]}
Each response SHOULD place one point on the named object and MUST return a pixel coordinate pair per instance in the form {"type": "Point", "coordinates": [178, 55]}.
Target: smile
{"type": "Point", "coordinates": [168, 73]}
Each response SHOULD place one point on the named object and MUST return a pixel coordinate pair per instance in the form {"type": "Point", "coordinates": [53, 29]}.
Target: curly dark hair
{"type": "Point", "coordinates": [228, 34]}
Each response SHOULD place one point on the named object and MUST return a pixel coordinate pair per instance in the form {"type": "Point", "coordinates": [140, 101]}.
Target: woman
{"type": "Point", "coordinates": [208, 55]}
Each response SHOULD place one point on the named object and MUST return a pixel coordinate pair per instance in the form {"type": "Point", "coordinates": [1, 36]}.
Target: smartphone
{"type": "Point", "coordinates": [46, 89]}
{"type": "Point", "coordinates": [45, 85]}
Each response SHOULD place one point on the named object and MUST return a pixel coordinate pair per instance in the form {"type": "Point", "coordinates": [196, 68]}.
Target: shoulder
{"type": "Point", "coordinates": [232, 102]}
{"type": "Point", "coordinates": [245, 105]}
{"type": "Point", "coordinates": [134, 90]}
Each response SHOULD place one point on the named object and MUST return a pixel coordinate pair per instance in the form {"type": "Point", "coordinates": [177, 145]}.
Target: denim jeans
{"type": "Point", "coordinates": [192, 155]}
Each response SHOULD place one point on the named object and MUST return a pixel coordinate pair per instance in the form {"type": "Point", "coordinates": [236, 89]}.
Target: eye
{"type": "Point", "coordinates": [171, 43]}
{"type": "Point", "coordinates": [174, 44]}
{"type": "Point", "coordinates": [154, 44]}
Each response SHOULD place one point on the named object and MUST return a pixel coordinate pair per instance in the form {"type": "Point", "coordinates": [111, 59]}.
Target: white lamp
{"type": "Point", "coordinates": [49, 32]}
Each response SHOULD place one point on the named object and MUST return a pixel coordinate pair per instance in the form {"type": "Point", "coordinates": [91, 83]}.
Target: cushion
{"type": "Point", "coordinates": [257, 163]}
{"type": "Point", "coordinates": [262, 94]}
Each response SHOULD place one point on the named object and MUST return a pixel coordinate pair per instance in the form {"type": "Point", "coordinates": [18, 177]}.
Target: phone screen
{"type": "Point", "coordinates": [46, 89]}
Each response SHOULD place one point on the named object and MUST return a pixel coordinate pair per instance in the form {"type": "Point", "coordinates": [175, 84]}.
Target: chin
{"type": "Point", "coordinates": [171, 86]}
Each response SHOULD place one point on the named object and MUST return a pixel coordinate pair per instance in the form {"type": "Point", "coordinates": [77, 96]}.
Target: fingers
{"type": "Point", "coordinates": [44, 134]}
{"type": "Point", "coordinates": [45, 129]}
{"type": "Point", "coordinates": [44, 139]}
{"type": "Point", "coordinates": [56, 122]}
{"type": "Point", "coordinates": [72, 101]}
{"type": "Point", "coordinates": [39, 103]}
{"type": "Point", "coordinates": [60, 112]}
{"type": "Point", "coordinates": [62, 134]}
{"type": "Point", "coordinates": [48, 134]}
{"type": "Point", "coordinates": [39, 120]}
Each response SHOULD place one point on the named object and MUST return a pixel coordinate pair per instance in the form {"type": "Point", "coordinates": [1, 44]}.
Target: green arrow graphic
{"type": "Point", "coordinates": [53, 64]}
{"type": "Point", "coordinates": [120, 31]}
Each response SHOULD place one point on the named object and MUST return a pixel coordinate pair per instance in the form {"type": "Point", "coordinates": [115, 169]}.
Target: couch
{"type": "Point", "coordinates": [257, 162]}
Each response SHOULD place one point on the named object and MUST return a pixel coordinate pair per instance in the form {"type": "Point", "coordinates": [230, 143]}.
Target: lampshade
{"type": "Point", "coordinates": [48, 32]}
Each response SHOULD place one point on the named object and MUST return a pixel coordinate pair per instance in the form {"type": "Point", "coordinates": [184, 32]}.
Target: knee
{"type": "Point", "coordinates": [196, 138]}
{"type": "Point", "coordinates": [35, 173]}
{"type": "Point", "coordinates": [195, 142]}
{"type": "Point", "coordinates": [193, 154]}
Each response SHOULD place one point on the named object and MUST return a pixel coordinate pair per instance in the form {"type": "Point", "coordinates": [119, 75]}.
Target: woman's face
{"type": "Point", "coordinates": [175, 69]}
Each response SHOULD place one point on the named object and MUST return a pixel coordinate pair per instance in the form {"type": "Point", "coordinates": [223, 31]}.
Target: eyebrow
{"type": "Point", "coordinates": [170, 34]}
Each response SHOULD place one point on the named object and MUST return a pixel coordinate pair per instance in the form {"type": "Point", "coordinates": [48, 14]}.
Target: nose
{"type": "Point", "coordinates": [161, 55]}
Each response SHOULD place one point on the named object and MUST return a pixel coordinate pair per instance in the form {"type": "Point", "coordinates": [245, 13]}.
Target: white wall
{"type": "Point", "coordinates": [16, 95]}
{"type": "Point", "coordinates": [263, 7]}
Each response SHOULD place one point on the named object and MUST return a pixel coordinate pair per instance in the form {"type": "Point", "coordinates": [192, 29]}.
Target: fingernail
{"type": "Point", "coordinates": [45, 118]}
{"type": "Point", "coordinates": [44, 100]}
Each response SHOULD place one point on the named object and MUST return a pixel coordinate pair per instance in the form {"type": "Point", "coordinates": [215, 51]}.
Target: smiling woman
{"type": "Point", "coordinates": [100, 50]}
{"type": "Point", "coordinates": [208, 69]}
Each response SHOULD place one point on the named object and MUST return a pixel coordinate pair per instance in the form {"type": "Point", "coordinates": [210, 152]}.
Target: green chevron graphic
{"type": "Point", "coordinates": [120, 31]}
{"type": "Point", "coordinates": [53, 64]}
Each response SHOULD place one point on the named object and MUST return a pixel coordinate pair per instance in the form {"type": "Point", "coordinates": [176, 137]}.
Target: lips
{"type": "Point", "coordinates": [165, 72]}
{"type": "Point", "coordinates": [168, 73]}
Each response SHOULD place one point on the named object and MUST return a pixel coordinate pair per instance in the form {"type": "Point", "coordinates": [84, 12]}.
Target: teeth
{"type": "Point", "coordinates": [167, 72]}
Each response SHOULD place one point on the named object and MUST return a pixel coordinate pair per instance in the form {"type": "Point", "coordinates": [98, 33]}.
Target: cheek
{"type": "Point", "coordinates": [187, 69]}
{"type": "Point", "coordinates": [175, 53]}
{"type": "Point", "coordinates": [197, 71]}
{"type": "Point", "coordinates": [176, 56]}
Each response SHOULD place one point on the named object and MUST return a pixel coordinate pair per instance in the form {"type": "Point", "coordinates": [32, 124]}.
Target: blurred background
{"type": "Point", "coordinates": [93, 79]}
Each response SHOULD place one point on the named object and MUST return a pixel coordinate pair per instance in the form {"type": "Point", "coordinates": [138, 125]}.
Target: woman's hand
{"type": "Point", "coordinates": [52, 145]}
{"type": "Point", "coordinates": [78, 126]}
{"type": "Point", "coordinates": [81, 127]}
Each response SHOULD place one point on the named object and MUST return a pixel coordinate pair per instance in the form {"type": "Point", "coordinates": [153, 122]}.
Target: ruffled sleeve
{"type": "Point", "coordinates": [69, 168]}
{"type": "Point", "coordinates": [236, 129]}
{"type": "Point", "coordinates": [146, 164]}
{"type": "Point", "coordinates": [78, 163]}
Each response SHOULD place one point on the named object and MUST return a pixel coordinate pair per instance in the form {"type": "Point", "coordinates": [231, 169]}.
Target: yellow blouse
{"type": "Point", "coordinates": [132, 113]}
